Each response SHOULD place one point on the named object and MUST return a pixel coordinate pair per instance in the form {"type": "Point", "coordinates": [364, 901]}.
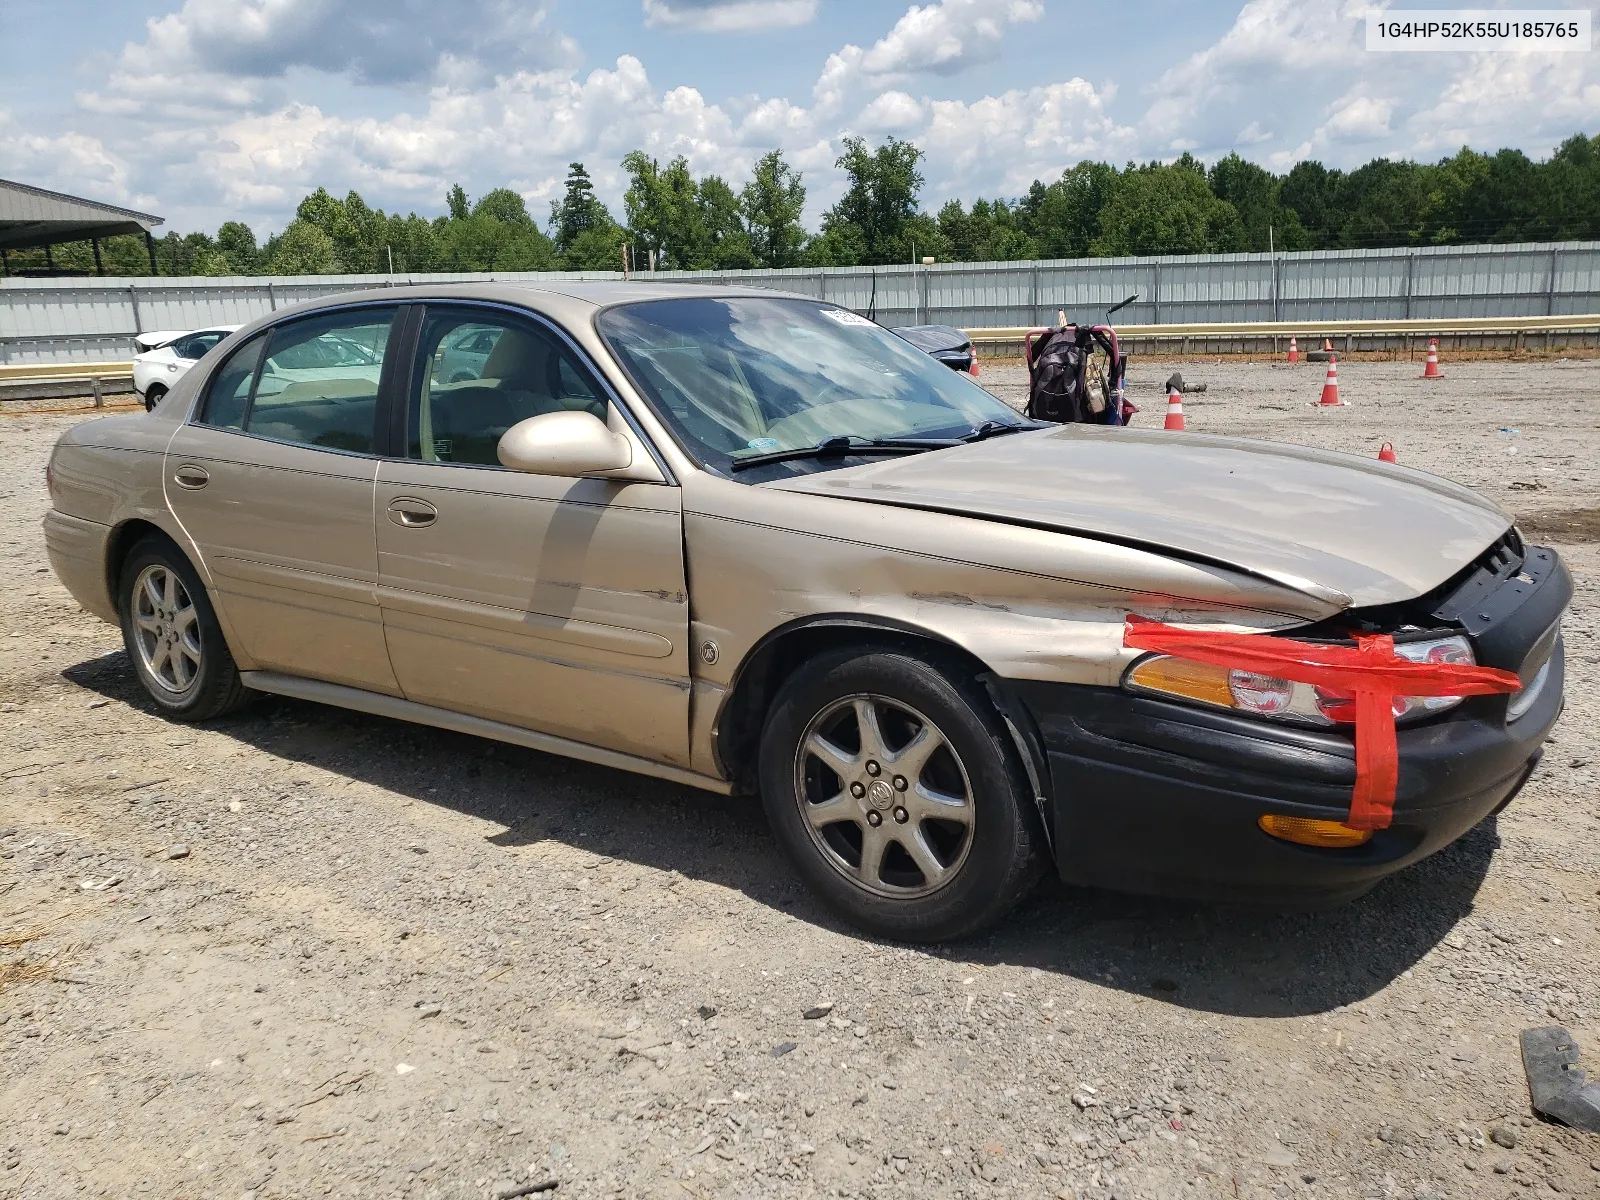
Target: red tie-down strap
{"type": "Point", "coordinates": [1370, 670]}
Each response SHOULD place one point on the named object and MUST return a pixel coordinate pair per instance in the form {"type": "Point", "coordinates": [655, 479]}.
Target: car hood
{"type": "Point", "coordinates": [1350, 531]}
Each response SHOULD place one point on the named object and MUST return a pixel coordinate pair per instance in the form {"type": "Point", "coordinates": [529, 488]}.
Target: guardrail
{"type": "Point", "coordinates": [1506, 333]}
{"type": "Point", "coordinates": [49, 381]}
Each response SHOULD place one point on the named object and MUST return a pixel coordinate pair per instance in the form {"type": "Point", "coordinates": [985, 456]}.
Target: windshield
{"type": "Point", "coordinates": [737, 377]}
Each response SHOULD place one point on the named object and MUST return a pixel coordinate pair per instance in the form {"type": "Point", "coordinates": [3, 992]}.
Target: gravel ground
{"type": "Point", "coordinates": [349, 957]}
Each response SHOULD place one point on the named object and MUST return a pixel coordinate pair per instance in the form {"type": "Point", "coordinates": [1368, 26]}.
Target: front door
{"type": "Point", "coordinates": [555, 604]}
{"type": "Point", "coordinates": [274, 483]}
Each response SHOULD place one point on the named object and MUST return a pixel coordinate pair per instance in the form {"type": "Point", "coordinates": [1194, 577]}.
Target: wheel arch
{"type": "Point", "coordinates": [120, 544]}
{"type": "Point", "coordinates": [776, 656]}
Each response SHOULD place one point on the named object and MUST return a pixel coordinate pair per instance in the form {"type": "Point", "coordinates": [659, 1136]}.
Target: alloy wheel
{"type": "Point", "coordinates": [884, 796]}
{"type": "Point", "coordinates": [166, 628]}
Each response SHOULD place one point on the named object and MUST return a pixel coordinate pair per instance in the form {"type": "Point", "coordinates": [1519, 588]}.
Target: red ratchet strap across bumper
{"type": "Point", "coordinates": [1370, 669]}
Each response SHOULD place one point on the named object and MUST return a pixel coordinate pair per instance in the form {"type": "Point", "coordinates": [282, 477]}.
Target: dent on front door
{"type": "Point", "coordinates": [555, 604]}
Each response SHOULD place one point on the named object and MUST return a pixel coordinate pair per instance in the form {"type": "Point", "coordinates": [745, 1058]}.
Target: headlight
{"type": "Point", "coordinates": [1281, 699]}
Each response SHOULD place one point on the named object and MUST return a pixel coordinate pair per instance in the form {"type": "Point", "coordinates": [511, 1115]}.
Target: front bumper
{"type": "Point", "coordinates": [1160, 797]}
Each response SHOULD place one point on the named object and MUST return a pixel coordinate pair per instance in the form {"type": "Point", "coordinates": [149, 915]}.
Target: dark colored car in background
{"type": "Point", "coordinates": [947, 344]}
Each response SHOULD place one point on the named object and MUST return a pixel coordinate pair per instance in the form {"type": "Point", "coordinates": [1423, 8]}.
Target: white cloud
{"type": "Point", "coordinates": [1269, 44]}
{"type": "Point", "coordinates": [1305, 62]}
{"type": "Point", "coordinates": [1000, 144]}
{"type": "Point", "coordinates": [729, 16]}
{"type": "Point", "coordinates": [228, 54]}
{"type": "Point", "coordinates": [72, 162]}
{"type": "Point", "coordinates": [524, 128]}
{"type": "Point", "coordinates": [1356, 117]}
{"type": "Point", "coordinates": [942, 38]}
{"type": "Point", "coordinates": [892, 112]}
{"type": "Point", "coordinates": [1535, 101]}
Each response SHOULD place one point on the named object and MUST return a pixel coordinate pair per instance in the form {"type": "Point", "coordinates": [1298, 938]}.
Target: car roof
{"type": "Point", "coordinates": [552, 295]}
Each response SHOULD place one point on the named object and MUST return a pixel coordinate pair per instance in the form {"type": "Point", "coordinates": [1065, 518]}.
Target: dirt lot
{"type": "Point", "coordinates": [348, 957]}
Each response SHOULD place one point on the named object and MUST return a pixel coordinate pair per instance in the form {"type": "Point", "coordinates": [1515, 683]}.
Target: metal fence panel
{"type": "Point", "coordinates": [83, 320]}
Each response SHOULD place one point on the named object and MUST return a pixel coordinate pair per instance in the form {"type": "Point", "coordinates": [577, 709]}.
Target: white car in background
{"type": "Point", "coordinates": [165, 355]}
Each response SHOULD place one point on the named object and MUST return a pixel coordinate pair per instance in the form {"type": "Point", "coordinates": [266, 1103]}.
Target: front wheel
{"type": "Point", "coordinates": [152, 397]}
{"type": "Point", "coordinates": [172, 635]}
{"type": "Point", "coordinates": [892, 785]}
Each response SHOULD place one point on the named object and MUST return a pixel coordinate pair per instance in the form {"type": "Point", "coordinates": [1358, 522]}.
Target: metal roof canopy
{"type": "Point", "coordinates": [31, 217]}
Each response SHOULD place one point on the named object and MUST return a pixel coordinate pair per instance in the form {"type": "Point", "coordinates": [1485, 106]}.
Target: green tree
{"type": "Point", "coordinates": [503, 205]}
{"type": "Point", "coordinates": [577, 211]}
{"type": "Point", "coordinates": [237, 243]}
{"type": "Point", "coordinates": [991, 232]}
{"type": "Point", "coordinates": [772, 203]}
{"type": "Point", "coordinates": [1063, 218]}
{"type": "Point", "coordinates": [303, 248]}
{"type": "Point", "coordinates": [1166, 209]}
{"type": "Point", "coordinates": [726, 245]}
{"type": "Point", "coordinates": [663, 211]}
{"type": "Point", "coordinates": [881, 197]}
{"type": "Point", "coordinates": [1253, 192]}
{"type": "Point", "coordinates": [597, 248]}
{"type": "Point", "coordinates": [1310, 191]}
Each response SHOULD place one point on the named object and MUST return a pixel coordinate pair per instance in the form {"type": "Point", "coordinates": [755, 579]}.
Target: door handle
{"type": "Point", "coordinates": [191, 477]}
{"type": "Point", "coordinates": [410, 513]}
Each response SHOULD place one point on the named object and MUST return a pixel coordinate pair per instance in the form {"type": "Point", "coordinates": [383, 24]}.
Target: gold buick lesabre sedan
{"type": "Point", "coordinates": [758, 544]}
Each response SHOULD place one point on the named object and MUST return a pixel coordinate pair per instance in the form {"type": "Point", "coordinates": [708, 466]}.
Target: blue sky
{"type": "Point", "coordinates": [206, 110]}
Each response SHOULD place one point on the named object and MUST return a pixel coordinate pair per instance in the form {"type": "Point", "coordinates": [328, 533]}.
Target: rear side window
{"type": "Point", "coordinates": [312, 382]}
{"type": "Point", "coordinates": [229, 394]}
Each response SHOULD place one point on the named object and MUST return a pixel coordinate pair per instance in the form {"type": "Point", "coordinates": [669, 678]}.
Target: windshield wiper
{"type": "Point", "coordinates": [839, 447]}
{"type": "Point", "coordinates": [991, 429]}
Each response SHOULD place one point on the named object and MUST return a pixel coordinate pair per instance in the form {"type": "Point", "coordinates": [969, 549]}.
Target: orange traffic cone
{"type": "Point", "coordinates": [1431, 371]}
{"type": "Point", "coordinates": [1386, 453]}
{"type": "Point", "coordinates": [1294, 350]}
{"type": "Point", "coordinates": [1327, 345]}
{"type": "Point", "coordinates": [973, 369]}
{"type": "Point", "coordinates": [1174, 410]}
{"type": "Point", "coordinates": [1330, 386]}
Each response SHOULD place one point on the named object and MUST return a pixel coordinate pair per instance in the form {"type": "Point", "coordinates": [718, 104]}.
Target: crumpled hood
{"type": "Point", "coordinates": [1346, 529]}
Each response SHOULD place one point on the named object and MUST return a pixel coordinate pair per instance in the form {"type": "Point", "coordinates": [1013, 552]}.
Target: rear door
{"type": "Point", "coordinates": [274, 483]}
{"type": "Point", "coordinates": [555, 604]}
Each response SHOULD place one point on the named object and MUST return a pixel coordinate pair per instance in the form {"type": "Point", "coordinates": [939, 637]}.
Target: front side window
{"type": "Point", "coordinates": [478, 374]}
{"type": "Point", "coordinates": [737, 377]}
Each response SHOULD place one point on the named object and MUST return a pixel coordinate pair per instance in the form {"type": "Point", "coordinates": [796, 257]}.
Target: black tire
{"type": "Point", "coordinates": [980, 883]}
{"type": "Point", "coordinates": [153, 396]}
{"type": "Point", "coordinates": [181, 688]}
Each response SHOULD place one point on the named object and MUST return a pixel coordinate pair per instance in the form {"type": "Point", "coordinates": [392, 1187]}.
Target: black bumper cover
{"type": "Point", "coordinates": [1152, 796]}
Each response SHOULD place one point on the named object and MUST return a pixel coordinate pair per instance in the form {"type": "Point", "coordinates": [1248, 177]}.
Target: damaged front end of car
{"type": "Point", "coordinates": [1228, 784]}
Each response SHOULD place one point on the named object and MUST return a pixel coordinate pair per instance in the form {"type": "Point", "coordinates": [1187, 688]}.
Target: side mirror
{"type": "Point", "coordinates": [568, 444]}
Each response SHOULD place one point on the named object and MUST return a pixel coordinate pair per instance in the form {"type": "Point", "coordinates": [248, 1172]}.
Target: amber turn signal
{"type": "Point", "coordinates": [1306, 832]}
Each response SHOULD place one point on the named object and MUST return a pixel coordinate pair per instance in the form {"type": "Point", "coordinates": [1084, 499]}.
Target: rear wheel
{"type": "Point", "coordinates": [893, 787]}
{"type": "Point", "coordinates": [152, 396]}
{"type": "Point", "coordinates": [172, 635]}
